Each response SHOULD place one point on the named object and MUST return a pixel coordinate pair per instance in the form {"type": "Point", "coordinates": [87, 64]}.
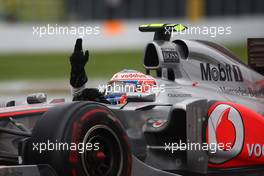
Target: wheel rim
{"type": "Point", "coordinates": [108, 160]}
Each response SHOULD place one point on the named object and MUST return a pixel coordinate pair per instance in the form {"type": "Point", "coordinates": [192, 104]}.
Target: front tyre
{"type": "Point", "coordinates": [103, 148]}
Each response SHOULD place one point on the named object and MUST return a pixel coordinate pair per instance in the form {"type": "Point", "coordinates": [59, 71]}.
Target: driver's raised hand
{"type": "Point", "coordinates": [78, 57]}
{"type": "Point", "coordinates": [78, 60]}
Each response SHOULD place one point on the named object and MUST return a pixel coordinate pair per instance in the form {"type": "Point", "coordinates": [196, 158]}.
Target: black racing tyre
{"type": "Point", "coordinates": [93, 129]}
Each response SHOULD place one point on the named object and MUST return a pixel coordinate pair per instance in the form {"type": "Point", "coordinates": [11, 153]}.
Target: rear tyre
{"type": "Point", "coordinates": [101, 142]}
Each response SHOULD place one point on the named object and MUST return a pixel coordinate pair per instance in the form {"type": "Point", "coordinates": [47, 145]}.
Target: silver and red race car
{"type": "Point", "coordinates": [205, 117]}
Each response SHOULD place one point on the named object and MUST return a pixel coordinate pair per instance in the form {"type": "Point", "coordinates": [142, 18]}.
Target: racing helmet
{"type": "Point", "coordinates": [128, 82]}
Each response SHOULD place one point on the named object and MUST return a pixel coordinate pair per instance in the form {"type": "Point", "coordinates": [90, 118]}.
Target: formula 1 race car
{"type": "Point", "coordinates": [208, 118]}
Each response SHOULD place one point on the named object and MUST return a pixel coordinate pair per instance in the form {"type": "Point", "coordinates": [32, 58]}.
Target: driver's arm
{"type": "Point", "coordinates": [79, 78]}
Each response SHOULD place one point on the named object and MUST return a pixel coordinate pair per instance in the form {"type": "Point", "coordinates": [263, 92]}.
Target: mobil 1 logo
{"type": "Point", "coordinates": [220, 72]}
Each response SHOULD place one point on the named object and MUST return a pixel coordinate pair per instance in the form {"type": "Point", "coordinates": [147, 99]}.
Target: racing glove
{"type": "Point", "coordinates": [78, 60]}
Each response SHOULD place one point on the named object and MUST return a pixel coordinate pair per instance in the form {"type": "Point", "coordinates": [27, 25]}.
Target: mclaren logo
{"type": "Point", "coordinates": [221, 72]}
{"type": "Point", "coordinates": [225, 125]}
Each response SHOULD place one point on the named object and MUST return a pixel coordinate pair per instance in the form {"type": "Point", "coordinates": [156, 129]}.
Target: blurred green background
{"type": "Point", "coordinates": [43, 65]}
{"type": "Point", "coordinates": [56, 66]}
{"type": "Point", "coordinates": [32, 10]}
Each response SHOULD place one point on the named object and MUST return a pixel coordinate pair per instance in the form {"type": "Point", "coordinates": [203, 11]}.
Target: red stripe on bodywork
{"type": "Point", "coordinates": [260, 82]}
{"type": "Point", "coordinates": [23, 112]}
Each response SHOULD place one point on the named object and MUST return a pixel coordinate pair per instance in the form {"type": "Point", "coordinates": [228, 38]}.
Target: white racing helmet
{"type": "Point", "coordinates": [128, 82]}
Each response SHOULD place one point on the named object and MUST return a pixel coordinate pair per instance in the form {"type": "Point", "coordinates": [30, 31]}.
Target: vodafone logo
{"type": "Point", "coordinates": [131, 76]}
{"type": "Point", "coordinates": [225, 125]}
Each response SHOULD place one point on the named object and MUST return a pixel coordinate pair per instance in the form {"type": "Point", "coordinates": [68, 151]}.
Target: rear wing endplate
{"type": "Point", "coordinates": [256, 54]}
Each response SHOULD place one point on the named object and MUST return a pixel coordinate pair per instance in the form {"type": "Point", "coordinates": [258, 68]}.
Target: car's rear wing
{"type": "Point", "coordinates": [162, 31]}
{"type": "Point", "coordinates": [256, 54]}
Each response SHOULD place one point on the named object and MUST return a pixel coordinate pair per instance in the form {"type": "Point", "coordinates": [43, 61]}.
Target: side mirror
{"type": "Point", "coordinates": [37, 98]}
